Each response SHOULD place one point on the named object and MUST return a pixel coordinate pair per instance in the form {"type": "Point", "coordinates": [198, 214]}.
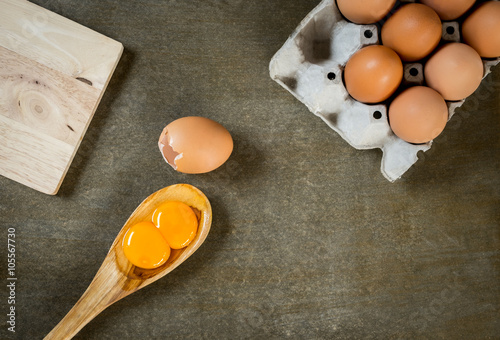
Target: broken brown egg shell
{"type": "Point", "coordinates": [195, 145]}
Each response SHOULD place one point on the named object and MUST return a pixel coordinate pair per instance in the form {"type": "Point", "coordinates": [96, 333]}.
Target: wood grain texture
{"type": "Point", "coordinates": [53, 73]}
{"type": "Point", "coordinates": [51, 155]}
{"type": "Point", "coordinates": [45, 100]}
{"type": "Point", "coordinates": [58, 42]}
{"type": "Point", "coordinates": [117, 277]}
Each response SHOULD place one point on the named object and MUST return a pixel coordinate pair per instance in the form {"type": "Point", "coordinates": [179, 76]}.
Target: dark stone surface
{"type": "Point", "coordinates": [308, 239]}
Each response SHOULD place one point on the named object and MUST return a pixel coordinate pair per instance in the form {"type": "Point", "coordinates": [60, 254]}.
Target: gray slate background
{"type": "Point", "coordinates": [308, 239]}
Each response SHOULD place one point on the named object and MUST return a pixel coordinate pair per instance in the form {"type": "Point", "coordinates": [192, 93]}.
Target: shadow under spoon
{"type": "Point", "coordinates": [117, 277]}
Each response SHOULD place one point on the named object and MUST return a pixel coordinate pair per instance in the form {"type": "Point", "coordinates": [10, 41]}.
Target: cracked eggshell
{"type": "Point", "coordinates": [310, 66]}
{"type": "Point", "coordinates": [195, 145]}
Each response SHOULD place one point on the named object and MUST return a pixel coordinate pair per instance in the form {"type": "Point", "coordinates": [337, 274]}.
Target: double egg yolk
{"type": "Point", "coordinates": [148, 244]}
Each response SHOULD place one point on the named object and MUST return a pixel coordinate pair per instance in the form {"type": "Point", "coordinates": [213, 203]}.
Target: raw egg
{"type": "Point", "coordinates": [481, 29]}
{"type": "Point", "coordinates": [148, 244]}
{"type": "Point", "coordinates": [365, 11]}
{"type": "Point", "coordinates": [177, 223]}
{"type": "Point", "coordinates": [373, 74]}
{"type": "Point", "coordinates": [449, 9]}
{"type": "Point", "coordinates": [455, 71]}
{"type": "Point", "coordinates": [413, 31]}
{"type": "Point", "coordinates": [144, 246]}
{"type": "Point", "coordinates": [418, 115]}
{"type": "Point", "coordinates": [195, 145]}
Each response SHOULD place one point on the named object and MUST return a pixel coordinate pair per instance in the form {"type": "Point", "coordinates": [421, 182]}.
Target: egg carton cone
{"type": "Point", "coordinates": [310, 65]}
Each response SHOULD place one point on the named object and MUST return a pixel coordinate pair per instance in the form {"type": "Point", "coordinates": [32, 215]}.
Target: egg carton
{"type": "Point", "coordinates": [310, 64]}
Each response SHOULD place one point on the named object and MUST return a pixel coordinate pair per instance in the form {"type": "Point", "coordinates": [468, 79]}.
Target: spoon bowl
{"type": "Point", "coordinates": [118, 277]}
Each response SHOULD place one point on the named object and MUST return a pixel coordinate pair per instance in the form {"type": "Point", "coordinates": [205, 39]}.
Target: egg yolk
{"type": "Point", "coordinates": [144, 246]}
{"type": "Point", "coordinates": [177, 222]}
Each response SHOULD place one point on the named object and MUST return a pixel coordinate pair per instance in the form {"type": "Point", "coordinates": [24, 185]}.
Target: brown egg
{"type": "Point", "coordinates": [413, 31]}
{"type": "Point", "coordinates": [373, 74]}
{"type": "Point", "coordinates": [418, 115]}
{"type": "Point", "coordinates": [449, 9]}
{"type": "Point", "coordinates": [195, 145]}
{"type": "Point", "coordinates": [455, 71]}
{"type": "Point", "coordinates": [481, 29]}
{"type": "Point", "coordinates": [365, 11]}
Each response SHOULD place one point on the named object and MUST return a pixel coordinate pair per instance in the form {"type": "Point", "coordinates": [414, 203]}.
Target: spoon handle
{"type": "Point", "coordinates": [102, 292]}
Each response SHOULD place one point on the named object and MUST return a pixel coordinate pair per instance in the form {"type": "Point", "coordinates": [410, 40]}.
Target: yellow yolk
{"type": "Point", "coordinates": [144, 246]}
{"type": "Point", "coordinates": [148, 244]}
{"type": "Point", "coordinates": [177, 223]}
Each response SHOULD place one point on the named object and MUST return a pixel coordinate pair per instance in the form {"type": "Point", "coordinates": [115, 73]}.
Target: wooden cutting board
{"type": "Point", "coordinates": [53, 73]}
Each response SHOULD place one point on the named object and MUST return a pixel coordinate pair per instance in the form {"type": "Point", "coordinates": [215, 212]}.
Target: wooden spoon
{"type": "Point", "coordinates": [117, 277]}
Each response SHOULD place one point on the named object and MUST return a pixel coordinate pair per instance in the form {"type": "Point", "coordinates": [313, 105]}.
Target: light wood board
{"type": "Point", "coordinates": [53, 73]}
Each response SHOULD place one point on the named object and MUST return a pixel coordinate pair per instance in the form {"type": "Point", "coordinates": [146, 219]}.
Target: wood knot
{"type": "Point", "coordinates": [83, 80]}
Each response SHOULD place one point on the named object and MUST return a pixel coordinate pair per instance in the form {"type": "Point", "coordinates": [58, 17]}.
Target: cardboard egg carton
{"type": "Point", "coordinates": [310, 64]}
